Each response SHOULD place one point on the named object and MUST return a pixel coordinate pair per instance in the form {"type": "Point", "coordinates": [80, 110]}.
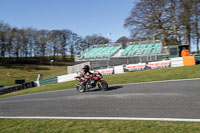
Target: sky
{"type": "Point", "coordinates": [84, 17]}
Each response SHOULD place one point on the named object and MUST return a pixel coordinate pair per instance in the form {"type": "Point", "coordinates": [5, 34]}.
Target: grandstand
{"type": "Point", "coordinates": [104, 56]}
{"type": "Point", "coordinates": [130, 50]}
{"type": "Point", "coordinates": [102, 52]}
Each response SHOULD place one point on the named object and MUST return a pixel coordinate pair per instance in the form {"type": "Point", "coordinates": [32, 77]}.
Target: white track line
{"type": "Point", "coordinates": [105, 118]}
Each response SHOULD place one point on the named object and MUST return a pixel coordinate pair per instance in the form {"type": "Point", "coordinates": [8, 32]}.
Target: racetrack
{"type": "Point", "coordinates": [167, 99]}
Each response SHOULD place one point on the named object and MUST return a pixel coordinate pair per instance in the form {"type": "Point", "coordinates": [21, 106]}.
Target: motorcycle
{"type": "Point", "coordinates": [87, 82]}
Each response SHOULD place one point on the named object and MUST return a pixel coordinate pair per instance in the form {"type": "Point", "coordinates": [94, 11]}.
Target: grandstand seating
{"type": "Point", "coordinates": [148, 49]}
{"type": "Point", "coordinates": [157, 48]}
{"type": "Point", "coordinates": [143, 49]}
{"type": "Point", "coordinates": [99, 53]}
{"type": "Point", "coordinates": [130, 50]}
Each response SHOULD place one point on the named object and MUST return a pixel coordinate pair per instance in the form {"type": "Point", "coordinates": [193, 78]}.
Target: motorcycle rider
{"type": "Point", "coordinates": [86, 73]}
{"type": "Point", "coordinates": [86, 70]}
{"type": "Point", "coordinates": [88, 80]}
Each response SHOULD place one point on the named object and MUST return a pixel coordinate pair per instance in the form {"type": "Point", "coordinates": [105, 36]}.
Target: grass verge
{"type": "Point", "coordinates": [28, 72]}
{"type": "Point", "coordinates": [95, 126]}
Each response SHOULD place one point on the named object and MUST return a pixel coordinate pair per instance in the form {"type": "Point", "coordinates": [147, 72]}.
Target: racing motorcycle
{"type": "Point", "coordinates": [87, 82]}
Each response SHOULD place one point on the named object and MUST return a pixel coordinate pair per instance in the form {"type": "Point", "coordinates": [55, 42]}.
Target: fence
{"type": "Point", "coordinates": [17, 87]}
{"type": "Point", "coordinates": [197, 59]}
{"type": "Point", "coordinates": [52, 80]}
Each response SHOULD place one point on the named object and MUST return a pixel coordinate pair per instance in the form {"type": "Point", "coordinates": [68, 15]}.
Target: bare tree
{"type": "Point", "coordinates": [168, 19]}
{"type": "Point", "coordinates": [55, 40]}
{"type": "Point", "coordinates": [17, 42]}
{"type": "Point", "coordinates": [24, 42]}
{"type": "Point", "coordinates": [10, 37]}
{"type": "Point", "coordinates": [74, 44]}
{"type": "Point", "coordinates": [64, 37]}
{"type": "Point", "coordinates": [43, 42]}
{"type": "Point", "coordinates": [3, 40]}
{"type": "Point", "coordinates": [186, 14]}
{"type": "Point", "coordinates": [96, 40]}
{"type": "Point", "coordinates": [30, 36]}
{"type": "Point", "coordinates": [123, 40]}
{"type": "Point", "coordinates": [150, 18]}
{"type": "Point", "coordinates": [196, 22]}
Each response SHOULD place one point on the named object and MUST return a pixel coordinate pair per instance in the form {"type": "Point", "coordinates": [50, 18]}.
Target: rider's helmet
{"type": "Point", "coordinates": [86, 68]}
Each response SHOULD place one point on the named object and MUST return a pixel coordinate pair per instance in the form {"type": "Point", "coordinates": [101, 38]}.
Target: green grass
{"type": "Point", "coordinates": [186, 72]}
{"type": "Point", "coordinates": [28, 72]}
{"type": "Point", "coordinates": [95, 126]}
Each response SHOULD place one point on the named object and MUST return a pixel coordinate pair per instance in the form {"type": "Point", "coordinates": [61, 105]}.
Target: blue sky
{"type": "Point", "coordinates": [84, 17]}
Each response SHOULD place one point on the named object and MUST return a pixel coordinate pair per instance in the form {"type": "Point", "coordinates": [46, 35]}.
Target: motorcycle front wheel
{"type": "Point", "coordinates": [103, 86]}
{"type": "Point", "coordinates": [80, 88]}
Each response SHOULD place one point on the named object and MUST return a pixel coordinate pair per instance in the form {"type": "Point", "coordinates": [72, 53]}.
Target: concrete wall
{"type": "Point", "coordinates": [76, 68]}
{"type": "Point", "coordinates": [95, 64]}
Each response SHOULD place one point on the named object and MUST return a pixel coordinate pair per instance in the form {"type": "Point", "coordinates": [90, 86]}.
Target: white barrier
{"type": "Point", "coordinates": [159, 64]}
{"type": "Point", "coordinates": [37, 83]}
{"type": "Point", "coordinates": [68, 77]}
{"type": "Point", "coordinates": [131, 67]}
{"type": "Point", "coordinates": [118, 69]}
{"type": "Point", "coordinates": [176, 62]}
{"type": "Point", "coordinates": [107, 71]}
{"type": "Point", "coordinates": [135, 67]}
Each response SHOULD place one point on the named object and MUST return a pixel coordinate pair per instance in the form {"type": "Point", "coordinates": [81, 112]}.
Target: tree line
{"type": "Point", "coordinates": [167, 19]}
{"type": "Point", "coordinates": [29, 42]}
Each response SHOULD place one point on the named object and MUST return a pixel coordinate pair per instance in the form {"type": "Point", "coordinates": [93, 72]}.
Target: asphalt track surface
{"type": "Point", "coordinates": [167, 99]}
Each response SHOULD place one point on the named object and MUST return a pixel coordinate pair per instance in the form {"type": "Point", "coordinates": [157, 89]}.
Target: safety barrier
{"type": "Point", "coordinates": [188, 60]}
{"type": "Point", "coordinates": [118, 69]}
{"type": "Point", "coordinates": [135, 67]}
{"type": "Point", "coordinates": [18, 87]}
{"type": "Point", "coordinates": [159, 64]}
{"type": "Point", "coordinates": [197, 59]}
{"type": "Point", "coordinates": [68, 77]}
{"type": "Point", "coordinates": [107, 71]}
{"type": "Point", "coordinates": [52, 80]}
{"type": "Point", "coordinates": [176, 62]}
